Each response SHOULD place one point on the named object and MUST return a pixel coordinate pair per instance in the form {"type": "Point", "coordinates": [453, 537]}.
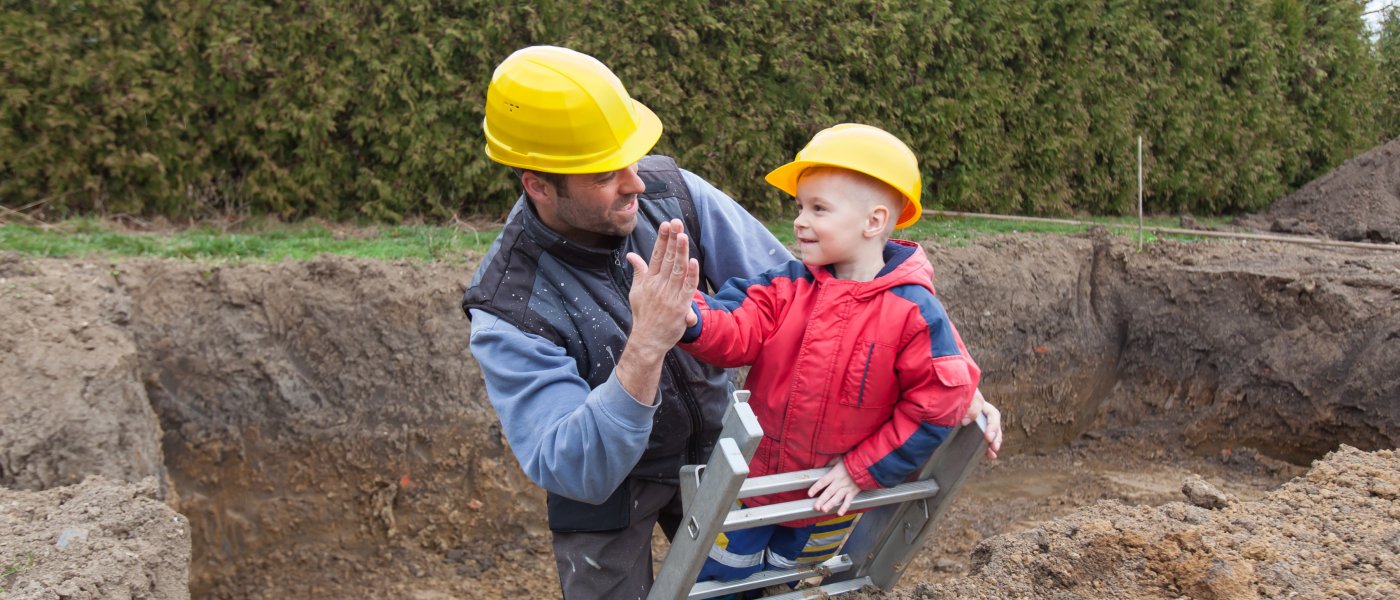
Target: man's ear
{"type": "Point", "coordinates": [876, 221]}
{"type": "Point", "coordinates": [540, 190]}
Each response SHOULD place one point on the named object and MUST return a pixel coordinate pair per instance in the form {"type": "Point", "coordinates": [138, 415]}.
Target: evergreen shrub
{"type": "Point", "coordinates": [353, 109]}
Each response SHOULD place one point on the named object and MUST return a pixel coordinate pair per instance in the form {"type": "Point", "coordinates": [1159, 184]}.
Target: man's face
{"type": "Point", "coordinates": [588, 207]}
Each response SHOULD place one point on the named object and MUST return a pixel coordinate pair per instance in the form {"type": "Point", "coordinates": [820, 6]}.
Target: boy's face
{"type": "Point", "coordinates": [833, 217]}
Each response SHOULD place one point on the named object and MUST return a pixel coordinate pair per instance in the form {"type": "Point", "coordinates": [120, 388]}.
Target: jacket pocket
{"type": "Point", "coordinates": [867, 399]}
{"type": "Point", "coordinates": [870, 379]}
{"type": "Point", "coordinates": [952, 371]}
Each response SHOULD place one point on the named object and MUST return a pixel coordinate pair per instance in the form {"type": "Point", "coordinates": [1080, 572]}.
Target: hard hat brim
{"type": "Point", "coordinates": [785, 178]}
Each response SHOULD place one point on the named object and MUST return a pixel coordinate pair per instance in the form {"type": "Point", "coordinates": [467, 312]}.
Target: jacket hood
{"type": "Point", "coordinates": [905, 264]}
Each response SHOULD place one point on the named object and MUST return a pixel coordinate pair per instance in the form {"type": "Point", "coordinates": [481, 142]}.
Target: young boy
{"type": "Point", "coordinates": [855, 363]}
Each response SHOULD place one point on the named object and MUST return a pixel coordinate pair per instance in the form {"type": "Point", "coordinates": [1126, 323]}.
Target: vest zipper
{"type": "Point", "coordinates": [692, 410]}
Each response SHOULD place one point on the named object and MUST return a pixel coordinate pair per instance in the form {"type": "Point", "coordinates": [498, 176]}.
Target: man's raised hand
{"type": "Point", "coordinates": [662, 290]}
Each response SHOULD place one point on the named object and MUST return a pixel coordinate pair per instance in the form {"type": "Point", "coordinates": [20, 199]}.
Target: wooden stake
{"type": "Point", "coordinates": [1139, 193]}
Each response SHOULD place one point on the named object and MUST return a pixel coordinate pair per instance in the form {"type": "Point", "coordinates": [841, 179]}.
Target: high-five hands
{"type": "Point", "coordinates": [662, 289]}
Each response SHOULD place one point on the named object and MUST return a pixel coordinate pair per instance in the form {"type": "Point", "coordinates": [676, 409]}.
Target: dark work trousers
{"type": "Point", "coordinates": [617, 564]}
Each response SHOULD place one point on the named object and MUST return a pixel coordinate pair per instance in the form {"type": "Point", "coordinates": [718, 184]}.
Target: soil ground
{"type": "Point", "coordinates": [1334, 533]}
{"type": "Point", "coordinates": [97, 539]}
{"type": "Point", "coordinates": [318, 429]}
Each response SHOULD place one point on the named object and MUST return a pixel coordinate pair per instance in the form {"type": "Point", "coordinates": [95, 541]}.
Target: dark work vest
{"type": "Point", "coordinates": [576, 296]}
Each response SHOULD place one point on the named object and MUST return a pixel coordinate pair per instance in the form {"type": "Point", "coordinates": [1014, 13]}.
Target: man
{"type": "Point", "coordinates": [599, 407]}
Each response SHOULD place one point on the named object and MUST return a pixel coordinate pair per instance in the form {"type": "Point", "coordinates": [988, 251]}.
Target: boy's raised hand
{"type": "Point", "coordinates": [836, 487]}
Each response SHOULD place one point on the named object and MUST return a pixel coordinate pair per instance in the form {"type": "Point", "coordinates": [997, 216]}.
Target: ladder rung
{"type": "Point", "coordinates": [801, 509]}
{"type": "Point", "coordinates": [782, 482]}
{"type": "Point", "coordinates": [762, 579]}
{"type": "Point", "coordinates": [830, 589]}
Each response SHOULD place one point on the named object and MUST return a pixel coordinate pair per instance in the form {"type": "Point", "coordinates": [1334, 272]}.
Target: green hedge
{"type": "Point", "coordinates": [373, 109]}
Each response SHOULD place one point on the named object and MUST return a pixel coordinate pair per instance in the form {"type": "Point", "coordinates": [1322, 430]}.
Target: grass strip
{"type": "Point", "coordinates": [273, 242]}
{"type": "Point", "coordinates": [268, 243]}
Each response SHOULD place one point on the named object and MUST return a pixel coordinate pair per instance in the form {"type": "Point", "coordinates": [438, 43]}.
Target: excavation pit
{"type": "Point", "coordinates": [324, 430]}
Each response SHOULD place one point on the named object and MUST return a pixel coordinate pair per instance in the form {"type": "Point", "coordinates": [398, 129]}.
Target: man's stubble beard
{"type": "Point", "coordinates": [568, 211]}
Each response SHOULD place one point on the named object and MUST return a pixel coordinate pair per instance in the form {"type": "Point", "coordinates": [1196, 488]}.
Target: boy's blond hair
{"type": "Point", "coordinates": [876, 191]}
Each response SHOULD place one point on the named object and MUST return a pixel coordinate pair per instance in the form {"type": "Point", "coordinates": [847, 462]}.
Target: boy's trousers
{"type": "Point", "coordinates": [741, 553]}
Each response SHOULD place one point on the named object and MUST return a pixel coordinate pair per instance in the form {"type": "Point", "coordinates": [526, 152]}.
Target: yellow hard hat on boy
{"type": "Point", "coordinates": [863, 149]}
{"type": "Point", "coordinates": [556, 110]}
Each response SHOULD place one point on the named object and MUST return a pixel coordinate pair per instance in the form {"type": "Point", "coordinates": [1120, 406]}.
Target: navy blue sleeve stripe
{"type": "Point", "coordinates": [896, 466]}
{"type": "Point", "coordinates": [693, 332]}
{"type": "Point", "coordinates": [941, 341]}
{"type": "Point", "coordinates": [731, 295]}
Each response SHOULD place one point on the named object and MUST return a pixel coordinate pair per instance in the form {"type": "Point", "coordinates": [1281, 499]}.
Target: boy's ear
{"type": "Point", "coordinates": [876, 221]}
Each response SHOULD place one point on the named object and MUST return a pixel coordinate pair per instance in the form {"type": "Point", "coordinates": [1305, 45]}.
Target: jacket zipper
{"type": "Point", "coordinates": [818, 306]}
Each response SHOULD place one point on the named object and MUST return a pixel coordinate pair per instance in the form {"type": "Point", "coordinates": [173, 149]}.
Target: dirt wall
{"type": "Point", "coordinates": [1279, 348]}
{"type": "Point", "coordinates": [71, 399]}
{"type": "Point", "coordinates": [330, 404]}
{"type": "Point", "coordinates": [1283, 348]}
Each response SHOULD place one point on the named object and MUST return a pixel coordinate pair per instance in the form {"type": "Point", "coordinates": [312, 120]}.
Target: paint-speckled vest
{"type": "Point", "coordinates": [576, 297]}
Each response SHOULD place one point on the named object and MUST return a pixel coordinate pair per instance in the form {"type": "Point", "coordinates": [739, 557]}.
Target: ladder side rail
{"type": "Point", "coordinates": [951, 470]}
{"type": "Point", "coordinates": [885, 539]}
{"type": "Point", "coordinates": [724, 473]}
{"type": "Point", "coordinates": [740, 425]}
{"type": "Point", "coordinates": [705, 506]}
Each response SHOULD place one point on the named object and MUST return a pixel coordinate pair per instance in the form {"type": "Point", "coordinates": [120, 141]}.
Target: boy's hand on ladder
{"type": "Point", "coordinates": [980, 406]}
{"type": "Point", "coordinates": [834, 489]}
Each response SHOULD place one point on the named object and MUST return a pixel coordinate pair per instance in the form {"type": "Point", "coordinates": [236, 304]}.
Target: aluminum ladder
{"type": "Point", "coordinates": [878, 549]}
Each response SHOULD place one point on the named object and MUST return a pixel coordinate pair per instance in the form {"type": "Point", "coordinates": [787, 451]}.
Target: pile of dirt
{"type": "Point", "coordinates": [1357, 201]}
{"type": "Point", "coordinates": [1026, 490]}
{"type": "Point", "coordinates": [96, 540]}
{"type": "Point", "coordinates": [1334, 533]}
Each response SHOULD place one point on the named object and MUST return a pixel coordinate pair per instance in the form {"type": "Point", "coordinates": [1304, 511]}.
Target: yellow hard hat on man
{"type": "Point", "coordinates": [554, 110]}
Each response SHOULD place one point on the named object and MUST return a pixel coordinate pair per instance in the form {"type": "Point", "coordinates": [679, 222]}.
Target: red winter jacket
{"type": "Point", "coordinates": [870, 370]}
